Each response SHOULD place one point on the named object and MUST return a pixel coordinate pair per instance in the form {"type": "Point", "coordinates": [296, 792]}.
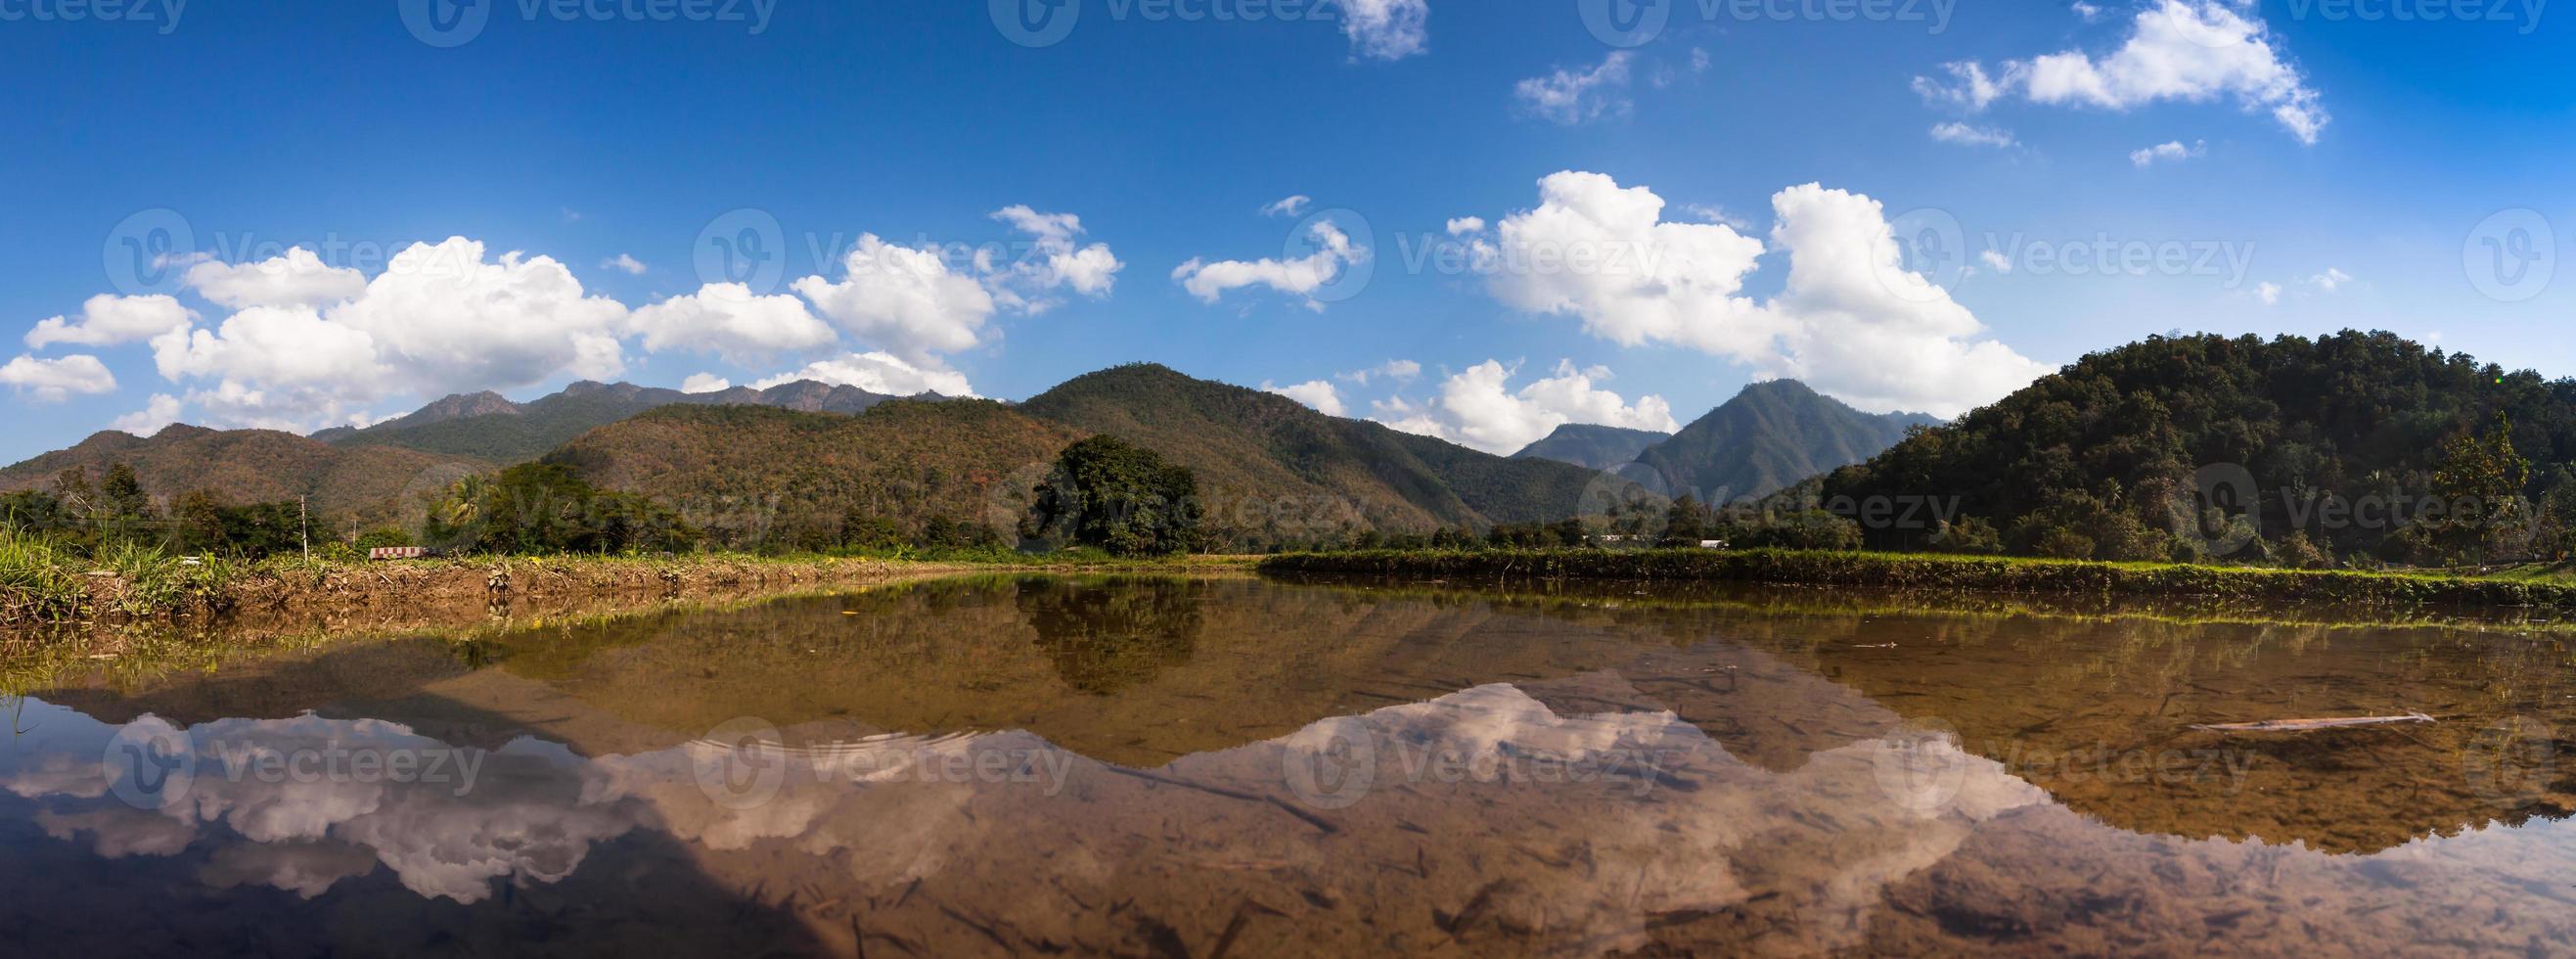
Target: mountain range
{"type": "Point", "coordinates": [1769, 436]}
{"type": "Point", "coordinates": [488, 426]}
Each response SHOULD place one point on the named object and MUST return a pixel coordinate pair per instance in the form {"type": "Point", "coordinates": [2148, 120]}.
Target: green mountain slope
{"type": "Point", "coordinates": [2110, 452]}
{"type": "Point", "coordinates": [367, 485]}
{"type": "Point", "coordinates": [487, 426]}
{"type": "Point", "coordinates": [1276, 472]}
{"type": "Point", "coordinates": [757, 476]}
{"type": "Point", "coordinates": [1769, 436]}
{"type": "Point", "coordinates": [1592, 446]}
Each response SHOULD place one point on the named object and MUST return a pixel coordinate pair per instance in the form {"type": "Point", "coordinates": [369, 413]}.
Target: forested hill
{"type": "Point", "coordinates": [2105, 458]}
{"type": "Point", "coordinates": [1277, 472]}
{"type": "Point", "coordinates": [1592, 445]}
{"type": "Point", "coordinates": [1769, 436]}
{"type": "Point", "coordinates": [369, 485]}
{"type": "Point", "coordinates": [489, 427]}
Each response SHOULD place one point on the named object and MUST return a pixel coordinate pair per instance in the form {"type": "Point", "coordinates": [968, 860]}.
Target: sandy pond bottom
{"type": "Point", "coordinates": [1234, 767]}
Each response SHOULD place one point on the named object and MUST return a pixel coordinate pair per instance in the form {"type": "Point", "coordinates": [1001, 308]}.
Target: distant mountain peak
{"type": "Point", "coordinates": [1592, 445]}
{"type": "Point", "coordinates": [1770, 435]}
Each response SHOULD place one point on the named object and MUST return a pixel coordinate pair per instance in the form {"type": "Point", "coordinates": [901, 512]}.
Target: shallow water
{"type": "Point", "coordinates": [1235, 767]}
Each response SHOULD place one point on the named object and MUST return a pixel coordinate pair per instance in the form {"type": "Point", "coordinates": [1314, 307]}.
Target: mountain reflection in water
{"type": "Point", "coordinates": [1195, 767]}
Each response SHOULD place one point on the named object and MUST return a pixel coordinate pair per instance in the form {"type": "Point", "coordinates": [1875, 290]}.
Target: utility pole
{"type": "Point", "coordinates": [303, 529]}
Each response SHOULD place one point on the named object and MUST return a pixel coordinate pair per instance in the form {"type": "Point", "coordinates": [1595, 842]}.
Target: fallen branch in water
{"type": "Point", "coordinates": [2304, 725]}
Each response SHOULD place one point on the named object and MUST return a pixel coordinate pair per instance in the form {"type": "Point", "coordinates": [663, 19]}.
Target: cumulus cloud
{"type": "Point", "coordinates": [156, 415]}
{"type": "Point", "coordinates": [1056, 261]}
{"type": "Point", "coordinates": [1386, 29]}
{"type": "Point", "coordinates": [296, 278]}
{"type": "Point", "coordinates": [705, 383]}
{"type": "Point", "coordinates": [1301, 277]}
{"type": "Point", "coordinates": [1319, 394]}
{"type": "Point", "coordinates": [55, 380]}
{"type": "Point", "coordinates": [2170, 151]}
{"type": "Point", "coordinates": [1850, 319]}
{"type": "Point", "coordinates": [1996, 261]}
{"type": "Point", "coordinates": [1292, 206]}
{"type": "Point", "coordinates": [878, 372]}
{"type": "Point", "coordinates": [2188, 50]}
{"type": "Point", "coordinates": [903, 300]}
{"type": "Point", "coordinates": [108, 320]}
{"type": "Point", "coordinates": [1466, 225]}
{"type": "Point", "coordinates": [1965, 135]}
{"type": "Point", "coordinates": [726, 319]}
{"type": "Point", "coordinates": [1477, 407]}
{"type": "Point", "coordinates": [2268, 292]}
{"type": "Point", "coordinates": [440, 318]}
{"type": "Point", "coordinates": [624, 263]}
{"type": "Point", "coordinates": [1574, 96]}
{"type": "Point", "coordinates": [2330, 280]}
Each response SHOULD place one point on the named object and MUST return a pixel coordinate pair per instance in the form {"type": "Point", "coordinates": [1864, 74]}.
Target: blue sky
{"type": "Point", "coordinates": [2330, 166]}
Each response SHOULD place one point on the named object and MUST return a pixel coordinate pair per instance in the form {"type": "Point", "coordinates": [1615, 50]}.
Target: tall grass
{"type": "Point", "coordinates": [34, 581]}
{"type": "Point", "coordinates": [152, 581]}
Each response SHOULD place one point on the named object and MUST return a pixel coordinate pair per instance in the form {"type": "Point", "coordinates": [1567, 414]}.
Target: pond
{"type": "Point", "coordinates": [1231, 766]}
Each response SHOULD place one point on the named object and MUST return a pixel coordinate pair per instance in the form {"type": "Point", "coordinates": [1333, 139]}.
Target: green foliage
{"type": "Point", "coordinates": [152, 581]}
{"type": "Point", "coordinates": [546, 508]}
{"type": "Point", "coordinates": [1121, 498]}
{"type": "Point", "coordinates": [1769, 437]}
{"type": "Point", "coordinates": [34, 581]}
{"type": "Point", "coordinates": [2110, 450]}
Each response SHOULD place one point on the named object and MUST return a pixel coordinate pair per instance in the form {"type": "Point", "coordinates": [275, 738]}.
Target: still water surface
{"type": "Point", "coordinates": [1237, 767]}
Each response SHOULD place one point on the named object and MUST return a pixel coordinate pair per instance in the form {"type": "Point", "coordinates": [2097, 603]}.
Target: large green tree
{"type": "Point", "coordinates": [1123, 498]}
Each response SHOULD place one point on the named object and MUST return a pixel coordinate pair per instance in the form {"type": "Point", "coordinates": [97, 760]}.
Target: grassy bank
{"type": "Point", "coordinates": [45, 587]}
{"type": "Point", "coordinates": [1945, 572]}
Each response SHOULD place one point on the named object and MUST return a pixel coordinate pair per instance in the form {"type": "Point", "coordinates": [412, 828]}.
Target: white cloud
{"type": "Point", "coordinates": [1319, 394]}
{"type": "Point", "coordinates": [1334, 252]}
{"type": "Point", "coordinates": [1699, 61]}
{"type": "Point", "coordinates": [1056, 261]}
{"type": "Point", "coordinates": [55, 380]}
{"type": "Point", "coordinates": [157, 414]}
{"type": "Point", "coordinates": [625, 263]}
{"type": "Point", "coordinates": [1574, 96]}
{"type": "Point", "coordinates": [2189, 50]}
{"type": "Point", "coordinates": [1969, 88]}
{"type": "Point", "coordinates": [1465, 225]}
{"type": "Point", "coordinates": [2329, 280]}
{"type": "Point", "coordinates": [705, 383]}
{"type": "Point", "coordinates": [1966, 135]}
{"type": "Point", "coordinates": [296, 278]}
{"type": "Point", "coordinates": [1292, 206]}
{"type": "Point", "coordinates": [1850, 320]}
{"type": "Point", "coordinates": [1386, 29]}
{"type": "Point", "coordinates": [1996, 261]}
{"type": "Point", "coordinates": [726, 319]}
{"type": "Point", "coordinates": [882, 373]}
{"type": "Point", "coordinates": [2170, 151]}
{"type": "Point", "coordinates": [2269, 293]}
{"type": "Point", "coordinates": [440, 319]}
{"type": "Point", "coordinates": [108, 320]}
{"type": "Point", "coordinates": [2087, 12]}
{"type": "Point", "coordinates": [1391, 369]}
{"type": "Point", "coordinates": [1477, 407]}
{"type": "Point", "coordinates": [902, 300]}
